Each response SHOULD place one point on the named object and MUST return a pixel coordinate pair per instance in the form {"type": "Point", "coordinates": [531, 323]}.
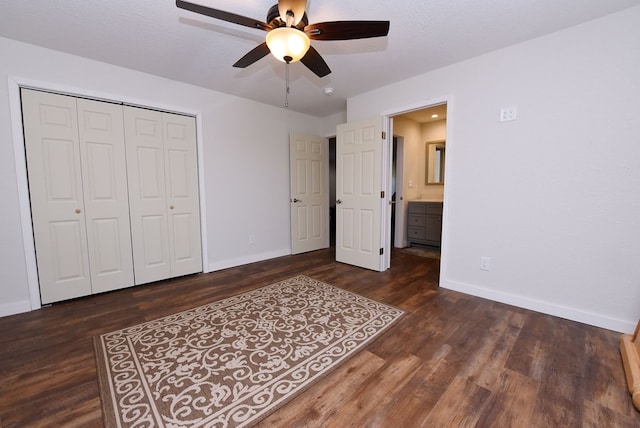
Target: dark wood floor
{"type": "Point", "coordinates": [453, 359]}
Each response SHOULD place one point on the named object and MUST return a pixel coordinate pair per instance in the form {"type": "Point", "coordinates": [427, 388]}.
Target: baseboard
{"type": "Point", "coordinates": [14, 308]}
{"type": "Point", "coordinates": [229, 263]}
{"type": "Point", "coordinates": [566, 312]}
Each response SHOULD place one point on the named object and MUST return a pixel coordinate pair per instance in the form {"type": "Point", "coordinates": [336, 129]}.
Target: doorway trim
{"type": "Point", "coordinates": [387, 126]}
{"type": "Point", "coordinates": [15, 108]}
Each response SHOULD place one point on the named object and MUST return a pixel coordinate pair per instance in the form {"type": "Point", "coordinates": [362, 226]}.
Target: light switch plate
{"type": "Point", "coordinates": [508, 113]}
{"type": "Point", "coordinates": [485, 262]}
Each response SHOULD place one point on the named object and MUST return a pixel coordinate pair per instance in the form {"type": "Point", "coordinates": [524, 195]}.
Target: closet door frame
{"type": "Point", "coordinates": [15, 83]}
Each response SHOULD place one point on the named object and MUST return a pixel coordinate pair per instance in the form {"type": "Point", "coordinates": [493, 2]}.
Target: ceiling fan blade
{"type": "Point", "coordinates": [252, 56]}
{"type": "Point", "coordinates": [296, 7]}
{"type": "Point", "coordinates": [347, 30]}
{"type": "Point", "coordinates": [225, 16]}
{"type": "Point", "coordinates": [315, 63]}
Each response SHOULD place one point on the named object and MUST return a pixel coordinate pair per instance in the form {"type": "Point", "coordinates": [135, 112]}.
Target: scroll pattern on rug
{"type": "Point", "coordinates": [232, 362]}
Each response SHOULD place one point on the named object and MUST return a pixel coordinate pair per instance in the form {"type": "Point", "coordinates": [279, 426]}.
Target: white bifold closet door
{"type": "Point", "coordinates": [163, 194]}
{"type": "Point", "coordinates": [114, 194]}
{"type": "Point", "coordinates": [78, 189]}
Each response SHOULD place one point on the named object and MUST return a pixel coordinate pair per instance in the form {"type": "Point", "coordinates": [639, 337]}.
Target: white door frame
{"type": "Point", "coordinates": [387, 154]}
{"type": "Point", "coordinates": [14, 85]}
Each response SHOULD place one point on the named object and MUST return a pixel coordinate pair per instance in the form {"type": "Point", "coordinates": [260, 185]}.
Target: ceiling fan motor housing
{"type": "Point", "coordinates": [273, 19]}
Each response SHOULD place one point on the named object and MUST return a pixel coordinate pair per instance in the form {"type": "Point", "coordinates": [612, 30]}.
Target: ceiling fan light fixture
{"type": "Point", "coordinates": [288, 42]}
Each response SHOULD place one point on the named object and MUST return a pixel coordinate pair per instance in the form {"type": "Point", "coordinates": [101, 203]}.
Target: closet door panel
{"type": "Point", "coordinates": [147, 194]}
{"type": "Point", "coordinates": [153, 231]}
{"type": "Point", "coordinates": [102, 151]}
{"type": "Point", "coordinates": [55, 185]}
{"type": "Point", "coordinates": [181, 169]}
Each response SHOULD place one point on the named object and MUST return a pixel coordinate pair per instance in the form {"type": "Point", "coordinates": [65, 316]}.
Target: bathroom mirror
{"type": "Point", "coordinates": [435, 162]}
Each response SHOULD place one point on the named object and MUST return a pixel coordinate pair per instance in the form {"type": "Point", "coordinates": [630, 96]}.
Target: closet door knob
{"type": "Point", "coordinates": [78, 210]}
{"type": "Point", "coordinates": [171, 206]}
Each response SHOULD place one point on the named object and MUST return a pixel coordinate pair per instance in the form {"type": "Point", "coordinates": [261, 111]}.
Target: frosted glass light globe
{"type": "Point", "coordinates": [288, 42]}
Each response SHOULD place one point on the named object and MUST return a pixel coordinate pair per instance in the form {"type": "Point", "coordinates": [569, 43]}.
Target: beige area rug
{"type": "Point", "coordinates": [230, 363]}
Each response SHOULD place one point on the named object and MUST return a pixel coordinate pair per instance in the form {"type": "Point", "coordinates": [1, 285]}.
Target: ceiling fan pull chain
{"type": "Point", "coordinates": [286, 94]}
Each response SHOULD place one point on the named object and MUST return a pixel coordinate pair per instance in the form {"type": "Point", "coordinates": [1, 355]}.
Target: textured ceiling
{"type": "Point", "coordinates": [156, 37]}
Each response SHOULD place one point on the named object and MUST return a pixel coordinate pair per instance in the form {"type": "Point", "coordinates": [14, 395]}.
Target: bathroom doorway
{"type": "Point", "coordinates": [413, 131]}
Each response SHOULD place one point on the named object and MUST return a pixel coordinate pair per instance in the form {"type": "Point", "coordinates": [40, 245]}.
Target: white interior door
{"type": "Point", "coordinates": [181, 168]}
{"type": "Point", "coordinates": [309, 159]}
{"type": "Point", "coordinates": [359, 186]}
{"type": "Point", "coordinates": [163, 194]}
{"type": "Point", "coordinates": [104, 177]}
{"type": "Point", "coordinates": [55, 186]}
{"type": "Point", "coordinates": [147, 194]}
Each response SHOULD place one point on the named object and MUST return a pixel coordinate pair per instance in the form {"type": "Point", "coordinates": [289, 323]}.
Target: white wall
{"type": "Point", "coordinates": [246, 158]}
{"type": "Point", "coordinates": [412, 161]}
{"type": "Point", "coordinates": [331, 122]}
{"type": "Point", "coordinates": [434, 131]}
{"type": "Point", "coordinates": [553, 197]}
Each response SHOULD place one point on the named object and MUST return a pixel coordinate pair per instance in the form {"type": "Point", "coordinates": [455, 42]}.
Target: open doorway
{"type": "Point", "coordinates": [417, 180]}
{"type": "Point", "coordinates": [332, 191]}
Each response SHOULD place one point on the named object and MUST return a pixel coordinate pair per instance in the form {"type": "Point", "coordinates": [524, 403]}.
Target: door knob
{"type": "Point", "coordinates": [170, 206]}
{"type": "Point", "coordinates": [296, 200]}
{"type": "Point", "coordinates": [338, 202]}
{"type": "Point", "coordinates": [78, 210]}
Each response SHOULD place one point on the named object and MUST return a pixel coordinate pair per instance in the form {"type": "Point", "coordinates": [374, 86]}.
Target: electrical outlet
{"type": "Point", "coordinates": [485, 262]}
{"type": "Point", "coordinates": [508, 113]}
{"type": "Point", "coordinates": [252, 239]}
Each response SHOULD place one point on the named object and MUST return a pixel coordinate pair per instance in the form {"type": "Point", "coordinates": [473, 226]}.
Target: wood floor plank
{"type": "Point", "coordinates": [561, 398]}
{"type": "Point", "coordinates": [604, 366]}
{"type": "Point", "coordinates": [598, 416]}
{"type": "Point", "coordinates": [317, 406]}
{"type": "Point", "coordinates": [364, 407]}
{"type": "Point", "coordinates": [452, 360]}
{"type": "Point", "coordinates": [427, 385]}
{"type": "Point", "coordinates": [511, 404]}
{"type": "Point", "coordinates": [461, 405]}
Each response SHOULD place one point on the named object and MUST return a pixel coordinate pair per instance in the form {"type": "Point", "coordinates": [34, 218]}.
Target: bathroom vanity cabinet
{"type": "Point", "coordinates": [424, 223]}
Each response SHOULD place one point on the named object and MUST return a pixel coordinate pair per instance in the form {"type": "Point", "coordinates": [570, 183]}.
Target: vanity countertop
{"type": "Point", "coordinates": [426, 200]}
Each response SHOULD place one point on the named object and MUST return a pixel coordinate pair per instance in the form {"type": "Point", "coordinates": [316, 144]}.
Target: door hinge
{"type": "Point", "coordinates": [384, 135]}
{"type": "Point", "coordinates": [381, 251]}
{"type": "Point", "coordinates": [382, 194]}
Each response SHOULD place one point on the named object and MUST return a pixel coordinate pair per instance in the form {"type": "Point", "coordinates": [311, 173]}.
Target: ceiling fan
{"type": "Point", "coordinates": [289, 33]}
